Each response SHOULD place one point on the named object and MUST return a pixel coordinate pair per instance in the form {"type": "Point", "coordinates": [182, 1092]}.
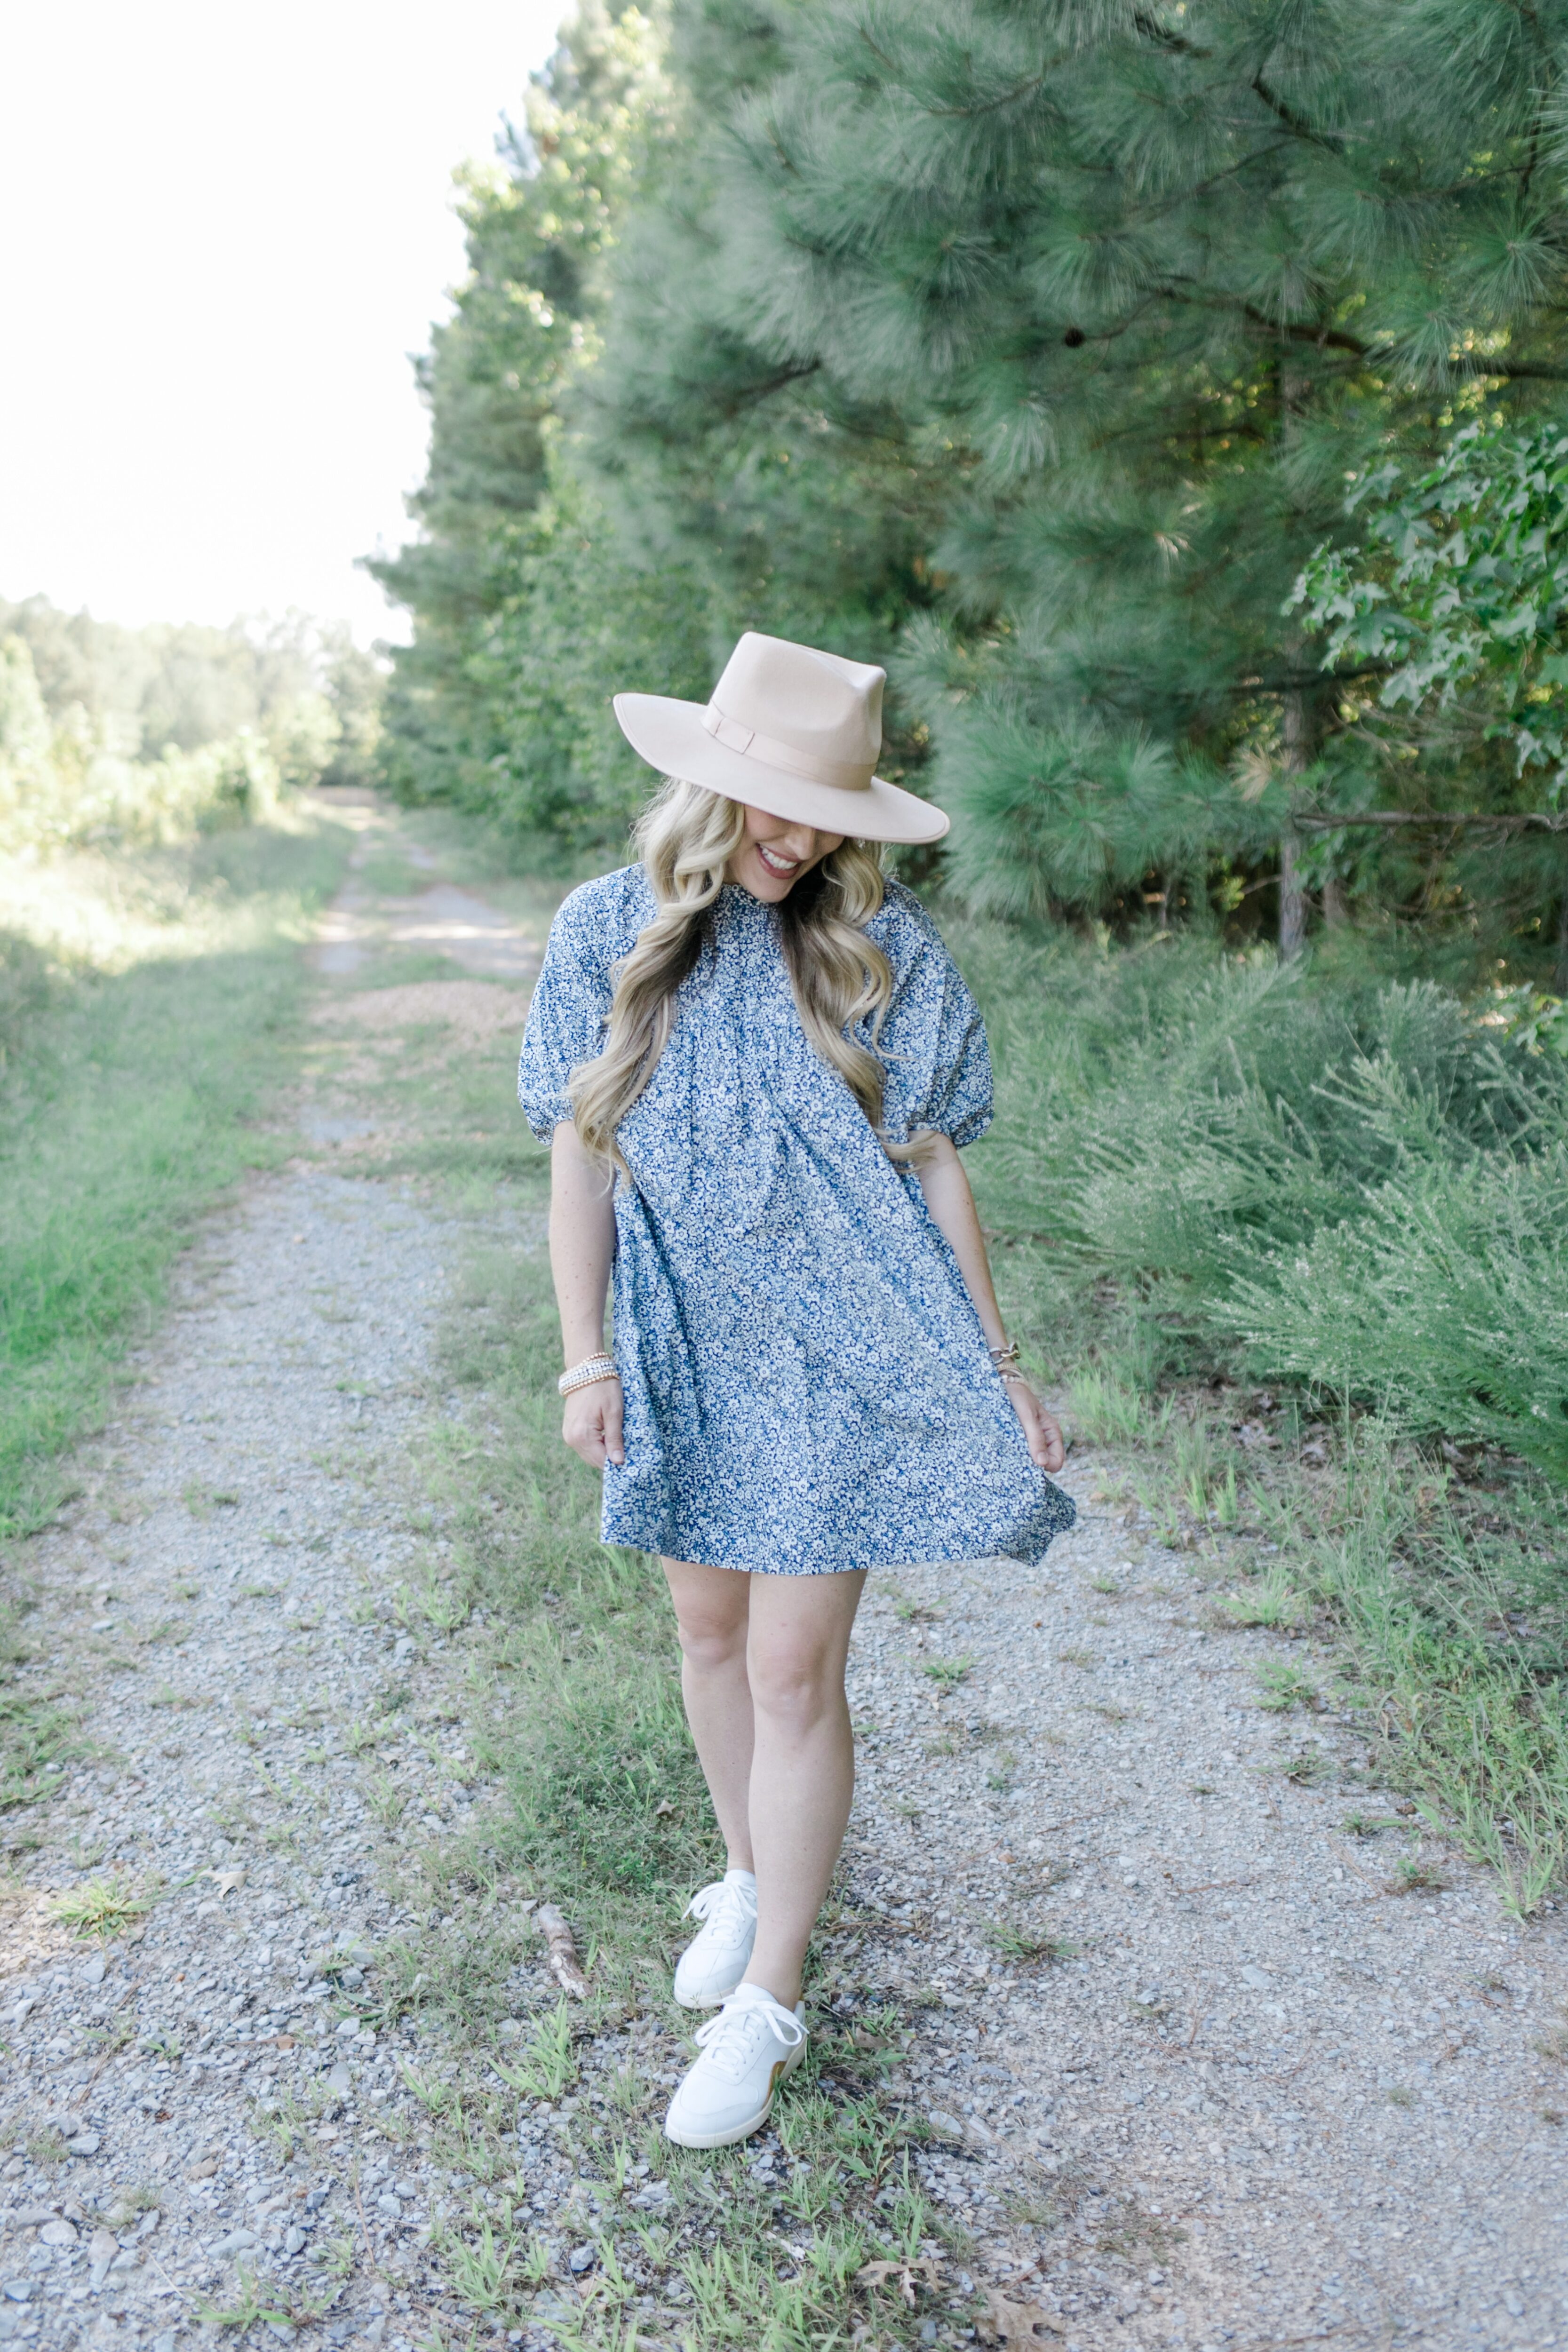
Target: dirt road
{"type": "Point", "coordinates": [1194, 2073]}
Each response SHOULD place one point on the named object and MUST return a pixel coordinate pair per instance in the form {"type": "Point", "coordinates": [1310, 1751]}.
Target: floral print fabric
{"type": "Point", "coordinates": [807, 1387]}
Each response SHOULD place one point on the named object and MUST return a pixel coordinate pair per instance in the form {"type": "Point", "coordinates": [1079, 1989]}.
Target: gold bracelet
{"type": "Point", "coordinates": [584, 1375]}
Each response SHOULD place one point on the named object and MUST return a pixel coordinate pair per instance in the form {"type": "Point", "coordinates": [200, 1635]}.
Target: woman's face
{"type": "Point", "coordinates": [775, 854]}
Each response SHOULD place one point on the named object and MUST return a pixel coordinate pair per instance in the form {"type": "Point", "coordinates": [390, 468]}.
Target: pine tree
{"type": "Point", "coordinates": [539, 225]}
{"type": "Point", "coordinates": [1133, 290]}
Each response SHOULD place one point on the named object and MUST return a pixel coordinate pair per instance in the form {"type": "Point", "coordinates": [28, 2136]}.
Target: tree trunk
{"type": "Point", "coordinates": [1292, 901]}
{"type": "Point", "coordinates": [1334, 901]}
{"type": "Point", "coordinates": [1300, 731]}
{"type": "Point", "coordinates": [1561, 975]}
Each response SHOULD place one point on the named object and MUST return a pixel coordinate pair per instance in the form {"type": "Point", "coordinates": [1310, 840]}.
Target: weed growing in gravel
{"type": "Point", "coordinates": [1414, 1875]}
{"type": "Point", "coordinates": [549, 2063]}
{"type": "Point", "coordinates": [37, 1733]}
{"type": "Point", "coordinates": [1282, 1685]}
{"type": "Point", "coordinates": [947, 1673]}
{"type": "Point", "coordinates": [105, 2040]}
{"type": "Point", "coordinates": [102, 1907]}
{"type": "Point", "coordinates": [258, 2305]}
{"type": "Point", "coordinates": [1273, 1600]}
{"type": "Point", "coordinates": [913, 1612]}
{"type": "Point", "coordinates": [1029, 1948]}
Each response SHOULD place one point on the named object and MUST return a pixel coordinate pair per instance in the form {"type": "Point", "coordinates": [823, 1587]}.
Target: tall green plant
{"type": "Point", "coordinates": [1448, 621]}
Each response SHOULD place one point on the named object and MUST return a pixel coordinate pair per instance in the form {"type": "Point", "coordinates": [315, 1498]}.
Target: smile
{"type": "Point", "coordinates": [774, 863]}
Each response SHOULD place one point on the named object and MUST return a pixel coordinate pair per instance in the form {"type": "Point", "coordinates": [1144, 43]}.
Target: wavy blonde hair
{"type": "Point", "coordinates": [840, 978]}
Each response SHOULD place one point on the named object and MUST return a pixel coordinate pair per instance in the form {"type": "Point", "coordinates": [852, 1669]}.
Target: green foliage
{"type": "Point", "coordinates": [1356, 1187]}
{"type": "Point", "coordinates": [548, 2062]}
{"type": "Point", "coordinates": [1442, 1294]}
{"type": "Point", "coordinates": [1461, 600]}
{"type": "Point", "coordinates": [149, 735]}
{"type": "Point", "coordinates": [1027, 351]}
{"type": "Point", "coordinates": [101, 1906]}
{"type": "Point", "coordinates": [491, 707]}
{"type": "Point", "coordinates": [1446, 629]}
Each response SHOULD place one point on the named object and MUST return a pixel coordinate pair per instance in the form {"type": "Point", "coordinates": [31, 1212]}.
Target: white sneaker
{"type": "Point", "coordinates": [713, 1964]}
{"type": "Point", "coordinates": [748, 2050]}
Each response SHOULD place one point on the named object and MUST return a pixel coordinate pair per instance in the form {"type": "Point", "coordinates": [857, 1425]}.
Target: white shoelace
{"type": "Point", "coordinates": [722, 1905]}
{"type": "Point", "coordinates": [729, 2041]}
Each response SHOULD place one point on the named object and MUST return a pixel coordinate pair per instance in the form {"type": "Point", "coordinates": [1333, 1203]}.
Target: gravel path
{"type": "Point", "coordinates": [1275, 2103]}
{"type": "Point", "coordinates": [1262, 2101]}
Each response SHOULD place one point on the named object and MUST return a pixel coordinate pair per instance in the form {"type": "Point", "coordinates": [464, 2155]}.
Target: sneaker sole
{"type": "Point", "coordinates": [707, 2000]}
{"type": "Point", "coordinates": [782, 2073]}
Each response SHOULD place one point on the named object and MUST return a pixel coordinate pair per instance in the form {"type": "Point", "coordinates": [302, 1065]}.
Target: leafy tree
{"type": "Point", "coordinates": [1451, 620]}
{"type": "Point", "coordinates": [146, 729]}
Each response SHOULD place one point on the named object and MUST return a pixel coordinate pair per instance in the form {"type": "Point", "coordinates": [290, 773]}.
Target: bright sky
{"type": "Point", "coordinates": [227, 229]}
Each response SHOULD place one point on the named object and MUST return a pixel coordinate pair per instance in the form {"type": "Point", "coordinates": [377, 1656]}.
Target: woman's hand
{"type": "Point", "coordinates": [1047, 1447]}
{"type": "Point", "coordinates": [592, 1423]}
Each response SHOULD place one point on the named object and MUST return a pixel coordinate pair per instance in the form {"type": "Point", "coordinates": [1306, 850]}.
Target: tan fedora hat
{"type": "Point", "coordinates": [791, 730]}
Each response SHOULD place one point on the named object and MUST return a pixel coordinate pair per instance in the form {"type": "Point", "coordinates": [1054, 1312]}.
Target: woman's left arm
{"type": "Point", "coordinates": [951, 1205]}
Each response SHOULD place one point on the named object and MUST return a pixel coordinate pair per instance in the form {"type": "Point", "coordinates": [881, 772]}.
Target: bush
{"type": "Point", "coordinates": [1358, 1188]}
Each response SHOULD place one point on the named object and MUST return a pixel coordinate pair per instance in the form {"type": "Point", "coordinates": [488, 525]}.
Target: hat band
{"type": "Point", "coordinates": [841, 775]}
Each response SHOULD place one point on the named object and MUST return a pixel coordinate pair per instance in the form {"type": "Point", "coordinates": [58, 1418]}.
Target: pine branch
{"type": "Point", "coordinates": [1520, 821]}
{"type": "Point", "coordinates": [1292, 120]}
{"type": "Point", "coordinates": [1173, 43]}
{"type": "Point", "coordinates": [994, 105]}
{"type": "Point", "coordinates": [754, 394]}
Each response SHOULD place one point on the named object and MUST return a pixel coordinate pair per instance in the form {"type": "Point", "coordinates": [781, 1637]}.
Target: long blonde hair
{"type": "Point", "coordinates": [840, 978]}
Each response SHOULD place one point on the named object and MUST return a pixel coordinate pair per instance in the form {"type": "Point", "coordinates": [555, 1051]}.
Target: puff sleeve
{"type": "Point", "coordinates": [565, 1021]}
{"type": "Point", "coordinates": [932, 1039]}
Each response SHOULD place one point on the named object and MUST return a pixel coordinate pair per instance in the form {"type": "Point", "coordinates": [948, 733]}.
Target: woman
{"type": "Point", "coordinates": [755, 1064]}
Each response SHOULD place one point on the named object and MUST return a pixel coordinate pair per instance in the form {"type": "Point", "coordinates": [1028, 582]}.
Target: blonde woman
{"type": "Point", "coordinates": [756, 1064]}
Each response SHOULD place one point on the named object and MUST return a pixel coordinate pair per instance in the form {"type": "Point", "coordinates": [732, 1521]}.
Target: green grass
{"type": "Point", "coordinates": [136, 1075]}
{"type": "Point", "coordinates": [101, 1906]}
{"type": "Point", "coordinates": [1452, 1611]}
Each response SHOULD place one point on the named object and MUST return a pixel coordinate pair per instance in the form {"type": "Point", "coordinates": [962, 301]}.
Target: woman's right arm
{"type": "Point", "coordinates": [582, 1251]}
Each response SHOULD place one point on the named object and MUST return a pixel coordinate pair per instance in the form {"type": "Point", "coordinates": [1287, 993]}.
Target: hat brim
{"type": "Point", "coordinates": [669, 735]}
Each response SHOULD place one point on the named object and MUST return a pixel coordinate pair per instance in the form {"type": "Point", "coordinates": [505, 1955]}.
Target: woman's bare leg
{"type": "Point", "coordinates": [710, 1608]}
{"type": "Point", "coordinates": [802, 1761]}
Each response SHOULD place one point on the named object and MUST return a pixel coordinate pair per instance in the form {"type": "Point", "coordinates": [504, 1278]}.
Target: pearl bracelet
{"type": "Point", "coordinates": [584, 1375]}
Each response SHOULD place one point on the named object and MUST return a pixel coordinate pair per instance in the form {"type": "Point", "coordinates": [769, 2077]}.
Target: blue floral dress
{"type": "Point", "coordinates": [807, 1387]}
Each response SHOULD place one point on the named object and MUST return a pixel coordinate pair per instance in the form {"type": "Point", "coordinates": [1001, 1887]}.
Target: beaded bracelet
{"type": "Point", "coordinates": [584, 1375]}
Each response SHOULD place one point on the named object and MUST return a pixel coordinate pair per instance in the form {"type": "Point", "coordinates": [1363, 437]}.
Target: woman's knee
{"type": "Point", "coordinates": [712, 1621]}
{"type": "Point", "coordinates": [795, 1683]}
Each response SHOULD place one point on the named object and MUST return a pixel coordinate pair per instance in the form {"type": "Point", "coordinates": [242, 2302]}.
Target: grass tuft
{"type": "Point", "coordinates": [101, 1906]}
